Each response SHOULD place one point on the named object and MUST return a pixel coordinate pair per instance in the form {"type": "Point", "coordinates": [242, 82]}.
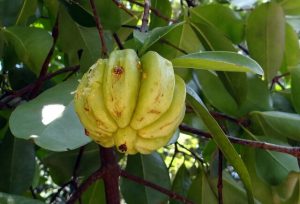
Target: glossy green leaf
{"type": "Point", "coordinates": [15, 199]}
{"type": "Point", "coordinates": [265, 39]}
{"type": "Point", "coordinates": [274, 167]}
{"type": "Point", "coordinates": [215, 92]}
{"type": "Point", "coordinates": [87, 41]}
{"type": "Point", "coordinates": [295, 88]}
{"type": "Point", "coordinates": [9, 11]}
{"type": "Point", "coordinates": [32, 45]}
{"type": "Point", "coordinates": [164, 7]}
{"type": "Point", "coordinates": [233, 192]}
{"type": "Point", "coordinates": [221, 140]}
{"type": "Point", "coordinates": [149, 167]}
{"type": "Point", "coordinates": [28, 9]}
{"type": "Point", "coordinates": [200, 191]}
{"type": "Point", "coordinates": [219, 61]}
{"type": "Point", "coordinates": [61, 164]}
{"type": "Point", "coordinates": [292, 49]}
{"type": "Point", "coordinates": [278, 124]}
{"type": "Point", "coordinates": [95, 194]}
{"type": "Point", "coordinates": [50, 120]}
{"type": "Point", "coordinates": [153, 36]}
{"type": "Point", "coordinates": [181, 183]}
{"type": "Point", "coordinates": [182, 37]}
{"type": "Point", "coordinates": [17, 164]}
{"type": "Point", "coordinates": [227, 21]}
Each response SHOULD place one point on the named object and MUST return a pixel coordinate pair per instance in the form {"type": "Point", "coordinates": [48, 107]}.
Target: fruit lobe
{"type": "Point", "coordinates": [131, 104]}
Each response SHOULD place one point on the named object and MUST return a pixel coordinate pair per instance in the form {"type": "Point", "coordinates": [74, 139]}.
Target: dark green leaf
{"type": "Point", "coordinates": [32, 45]}
{"type": "Point", "coordinates": [221, 140]}
{"type": "Point", "coordinates": [9, 11]}
{"type": "Point", "coordinates": [61, 164]}
{"type": "Point", "coordinates": [200, 191]}
{"type": "Point", "coordinates": [15, 199]}
{"type": "Point", "coordinates": [292, 49]}
{"type": "Point", "coordinates": [295, 88]}
{"type": "Point", "coordinates": [153, 36]}
{"type": "Point", "coordinates": [265, 39]}
{"type": "Point", "coordinates": [164, 7]}
{"type": "Point", "coordinates": [218, 60]}
{"type": "Point", "coordinates": [215, 92]}
{"type": "Point", "coordinates": [181, 183]}
{"type": "Point", "coordinates": [149, 167]}
{"type": "Point", "coordinates": [95, 194]}
{"type": "Point", "coordinates": [50, 120]}
{"type": "Point", "coordinates": [17, 164]}
{"type": "Point", "coordinates": [28, 9]}
{"type": "Point", "coordinates": [278, 124]}
{"type": "Point", "coordinates": [226, 20]}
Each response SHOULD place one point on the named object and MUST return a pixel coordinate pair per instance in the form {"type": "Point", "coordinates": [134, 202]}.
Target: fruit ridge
{"type": "Point", "coordinates": [131, 104]}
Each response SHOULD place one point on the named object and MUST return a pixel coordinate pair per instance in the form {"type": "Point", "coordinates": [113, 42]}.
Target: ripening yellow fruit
{"type": "Point", "coordinates": [133, 104]}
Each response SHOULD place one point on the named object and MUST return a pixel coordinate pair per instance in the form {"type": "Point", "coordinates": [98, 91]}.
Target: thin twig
{"type": "Point", "coordinates": [104, 52]}
{"type": "Point", "coordinates": [155, 11]}
{"type": "Point", "coordinates": [294, 151]}
{"type": "Point", "coordinates": [86, 184]}
{"type": "Point", "coordinates": [145, 19]}
{"type": "Point", "coordinates": [131, 26]}
{"type": "Point", "coordinates": [118, 41]}
{"type": "Point", "coordinates": [276, 80]}
{"type": "Point", "coordinates": [141, 181]}
{"type": "Point", "coordinates": [197, 157]}
{"type": "Point", "coordinates": [174, 155]}
{"type": "Point", "coordinates": [220, 177]}
{"type": "Point", "coordinates": [123, 7]}
{"type": "Point", "coordinates": [32, 192]}
{"type": "Point", "coordinates": [39, 83]}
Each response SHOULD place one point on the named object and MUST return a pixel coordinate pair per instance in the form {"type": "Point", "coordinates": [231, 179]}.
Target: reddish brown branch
{"type": "Point", "coordinates": [276, 79]}
{"type": "Point", "coordinates": [171, 194]}
{"type": "Point", "coordinates": [39, 83]}
{"type": "Point", "coordinates": [294, 151]}
{"type": "Point", "coordinates": [118, 41]}
{"type": "Point", "coordinates": [155, 11]}
{"type": "Point", "coordinates": [99, 26]}
{"type": "Point", "coordinates": [123, 7]}
{"type": "Point", "coordinates": [145, 19]}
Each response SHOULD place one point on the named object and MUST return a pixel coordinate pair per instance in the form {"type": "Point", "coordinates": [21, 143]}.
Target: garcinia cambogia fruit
{"type": "Point", "coordinates": [134, 104]}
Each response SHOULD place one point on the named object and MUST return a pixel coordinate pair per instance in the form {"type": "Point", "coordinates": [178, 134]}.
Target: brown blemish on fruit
{"type": "Point", "coordinates": [118, 113]}
{"type": "Point", "coordinates": [140, 120]}
{"type": "Point", "coordinates": [154, 111]}
{"type": "Point", "coordinates": [86, 132]}
{"type": "Point", "coordinates": [123, 147]}
{"type": "Point", "coordinates": [118, 70]}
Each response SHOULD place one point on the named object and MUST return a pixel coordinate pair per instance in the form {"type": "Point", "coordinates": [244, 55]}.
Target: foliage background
{"type": "Point", "coordinates": [46, 46]}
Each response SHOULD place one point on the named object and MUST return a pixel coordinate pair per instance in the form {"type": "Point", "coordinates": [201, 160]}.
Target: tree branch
{"type": "Point", "coordinates": [141, 181]}
{"type": "Point", "coordinates": [118, 41]}
{"type": "Point", "coordinates": [104, 52]}
{"type": "Point", "coordinates": [145, 19]}
{"type": "Point", "coordinates": [153, 10]}
{"type": "Point", "coordinates": [294, 151]}
{"type": "Point", "coordinates": [123, 7]}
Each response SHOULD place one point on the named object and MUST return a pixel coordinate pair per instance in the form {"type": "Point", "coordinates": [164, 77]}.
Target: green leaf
{"type": "Point", "coordinates": [292, 49]}
{"type": "Point", "coordinates": [219, 61]}
{"type": "Point", "coordinates": [182, 37]}
{"type": "Point", "coordinates": [87, 40]}
{"type": "Point", "coordinates": [61, 164]}
{"type": "Point", "coordinates": [9, 11]}
{"type": "Point", "coordinates": [27, 10]}
{"type": "Point", "coordinates": [200, 191]}
{"type": "Point", "coordinates": [221, 140]}
{"type": "Point", "coordinates": [266, 39]}
{"type": "Point", "coordinates": [32, 45]}
{"type": "Point", "coordinates": [181, 183]}
{"type": "Point", "coordinates": [227, 21]}
{"type": "Point", "coordinates": [153, 36]}
{"type": "Point", "coordinates": [151, 168]}
{"type": "Point", "coordinates": [15, 199]}
{"type": "Point", "coordinates": [278, 124]}
{"type": "Point", "coordinates": [17, 164]}
{"type": "Point", "coordinates": [95, 194]}
{"type": "Point", "coordinates": [295, 88]}
{"type": "Point", "coordinates": [215, 92]}
{"type": "Point", "coordinates": [164, 7]}
{"type": "Point", "coordinates": [50, 120]}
